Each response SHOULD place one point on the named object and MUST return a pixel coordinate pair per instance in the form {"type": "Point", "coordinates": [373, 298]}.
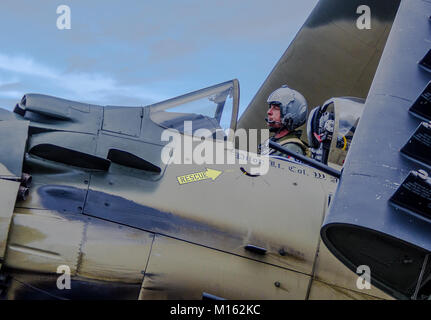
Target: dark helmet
{"type": "Point", "coordinates": [293, 107]}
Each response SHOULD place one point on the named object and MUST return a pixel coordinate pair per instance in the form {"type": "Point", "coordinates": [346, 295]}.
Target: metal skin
{"type": "Point", "coordinates": [128, 233]}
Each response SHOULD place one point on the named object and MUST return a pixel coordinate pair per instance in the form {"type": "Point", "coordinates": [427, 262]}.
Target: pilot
{"type": "Point", "coordinates": [287, 111]}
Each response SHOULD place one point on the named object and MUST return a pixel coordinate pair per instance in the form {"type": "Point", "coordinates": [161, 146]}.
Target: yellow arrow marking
{"type": "Point", "coordinates": [199, 176]}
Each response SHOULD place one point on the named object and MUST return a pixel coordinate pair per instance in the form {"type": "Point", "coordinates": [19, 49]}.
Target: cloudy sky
{"type": "Point", "coordinates": [141, 52]}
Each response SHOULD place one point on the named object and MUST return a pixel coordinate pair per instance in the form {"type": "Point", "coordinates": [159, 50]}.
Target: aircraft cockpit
{"type": "Point", "coordinates": [330, 129]}
{"type": "Point", "coordinates": [214, 108]}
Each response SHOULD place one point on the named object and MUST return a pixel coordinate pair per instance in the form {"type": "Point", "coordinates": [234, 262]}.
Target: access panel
{"type": "Point", "coordinates": [181, 270]}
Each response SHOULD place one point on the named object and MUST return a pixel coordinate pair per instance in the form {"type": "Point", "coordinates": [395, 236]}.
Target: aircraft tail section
{"type": "Point", "coordinates": [330, 56]}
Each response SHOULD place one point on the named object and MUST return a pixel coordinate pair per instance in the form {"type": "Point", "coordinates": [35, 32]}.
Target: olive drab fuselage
{"type": "Point", "coordinates": [125, 230]}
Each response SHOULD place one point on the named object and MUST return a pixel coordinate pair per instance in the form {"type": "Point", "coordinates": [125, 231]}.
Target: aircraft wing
{"type": "Point", "coordinates": [380, 215]}
{"type": "Point", "coordinates": [329, 57]}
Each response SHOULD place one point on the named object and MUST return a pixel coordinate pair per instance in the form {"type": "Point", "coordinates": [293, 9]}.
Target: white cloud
{"type": "Point", "coordinates": [9, 86]}
{"type": "Point", "coordinates": [11, 94]}
{"type": "Point", "coordinates": [8, 81]}
{"type": "Point", "coordinates": [80, 86]}
{"type": "Point", "coordinates": [25, 65]}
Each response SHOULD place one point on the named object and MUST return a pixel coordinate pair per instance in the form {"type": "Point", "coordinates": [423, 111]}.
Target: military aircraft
{"type": "Point", "coordinates": [85, 191]}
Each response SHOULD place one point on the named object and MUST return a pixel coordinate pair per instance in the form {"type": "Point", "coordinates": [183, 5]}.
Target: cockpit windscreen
{"type": "Point", "coordinates": [210, 108]}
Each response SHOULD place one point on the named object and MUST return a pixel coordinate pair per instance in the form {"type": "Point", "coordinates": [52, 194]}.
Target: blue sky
{"type": "Point", "coordinates": [140, 52]}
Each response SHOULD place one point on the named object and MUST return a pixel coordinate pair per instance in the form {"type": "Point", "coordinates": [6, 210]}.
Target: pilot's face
{"type": "Point", "coordinates": [274, 119]}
